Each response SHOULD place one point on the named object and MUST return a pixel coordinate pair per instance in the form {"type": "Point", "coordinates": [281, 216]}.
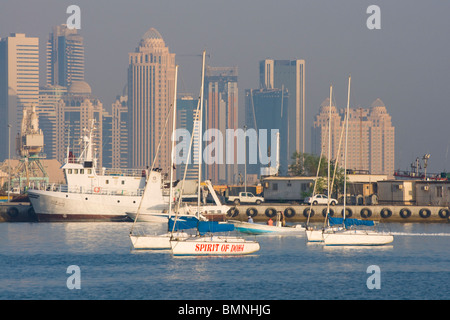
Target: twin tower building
{"type": "Point", "coordinates": [128, 135]}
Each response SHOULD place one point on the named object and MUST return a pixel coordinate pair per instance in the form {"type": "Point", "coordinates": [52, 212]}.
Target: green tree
{"type": "Point", "coordinates": [305, 164]}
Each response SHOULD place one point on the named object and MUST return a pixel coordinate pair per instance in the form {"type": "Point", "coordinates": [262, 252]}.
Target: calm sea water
{"type": "Point", "coordinates": [34, 258]}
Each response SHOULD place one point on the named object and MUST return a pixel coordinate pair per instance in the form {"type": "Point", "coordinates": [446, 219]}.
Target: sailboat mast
{"type": "Point", "coordinates": [329, 150]}
{"type": "Point", "coordinates": [200, 119]}
{"type": "Point", "coordinates": [174, 116]}
{"type": "Point", "coordinates": [346, 139]}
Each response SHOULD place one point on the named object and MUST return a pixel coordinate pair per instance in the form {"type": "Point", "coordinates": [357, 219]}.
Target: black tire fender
{"type": "Point", "coordinates": [386, 213]}
{"type": "Point", "coordinates": [270, 212]}
{"type": "Point", "coordinates": [251, 212]}
{"type": "Point", "coordinates": [366, 213]}
{"type": "Point", "coordinates": [289, 212]}
{"type": "Point", "coordinates": [405, 213]}
{"type": "Point", "coordinates": [425, 213]}
{"type": "Point", "coordinates": [306, 213]}
{"type": "Point", "coordinates": [13, 212]}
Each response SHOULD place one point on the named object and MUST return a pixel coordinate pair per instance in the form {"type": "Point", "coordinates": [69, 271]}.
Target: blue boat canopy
{"type": "Point", "coordinates": [214, 226]}
{"type": "Point", "coordinates": [183, 223]}
{"type": "Point", "coordinates": [350, 222]}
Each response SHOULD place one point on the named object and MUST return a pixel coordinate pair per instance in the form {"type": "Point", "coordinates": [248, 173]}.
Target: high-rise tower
{"type": "Point", "coordinates": [19, 84]}
{"type": "Point", "coordinates": [151, 83]}
{"type": "Point", "coordinates": [371, 137]}
{"type": "Point", "coordinates": [221, 92]}
{"type": "Point", "coordinates": [65, 56]}
{"type": "Point", "coordinates": [290, 75]}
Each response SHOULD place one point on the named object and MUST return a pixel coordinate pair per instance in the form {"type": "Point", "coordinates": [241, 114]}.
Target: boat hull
{"type": "Point", "coordinates": [51, 206]}
{"type": "Point", "coordinates": [357, 238]}
{"type": "Point", "coordinates": [214, 246]}
{"type": "Point", "coordinates": [156, 242]}
{"type": "Point", "coordinates": [256, 228]}
{"type": "Point", "coordinates": [155, 217]}
{"type": "Point", "coordinates": [314, 235]}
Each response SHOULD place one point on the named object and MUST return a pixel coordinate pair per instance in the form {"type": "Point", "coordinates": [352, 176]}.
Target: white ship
{"type": "Point", "coordinates": [93, 194]}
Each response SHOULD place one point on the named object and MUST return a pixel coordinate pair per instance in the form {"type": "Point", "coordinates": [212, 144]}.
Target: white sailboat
{"type": "Point", "coordinates": [205, 242]}
{"type": "Point", "coordinates": [347, 233]}
{"type": "Point", "coordinates": [161, 241]}
{"type": "Point", "coordinates": [313, 234]}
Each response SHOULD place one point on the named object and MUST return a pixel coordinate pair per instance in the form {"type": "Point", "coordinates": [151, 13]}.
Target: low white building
{"type": "Point", "coordinates": [432, 193]}
{"type": "Point", "coordinates": [397, 192]}
{"type": "Point", "coordinates": [287, 188]}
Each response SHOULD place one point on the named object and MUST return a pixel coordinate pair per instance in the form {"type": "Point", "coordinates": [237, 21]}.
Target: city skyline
{"type": "Point", "coordinates": [403, 63]}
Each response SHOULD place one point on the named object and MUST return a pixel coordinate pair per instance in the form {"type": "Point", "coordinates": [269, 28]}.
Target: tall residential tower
{"type": "Point", "coordinates": [19, 84]}
{"type": "Point", "coordinates": [221, 113]}
{"type": "Point", "coordinates": [151, 84]}
{"type": "Point", "coordinates": [371, 137]}
{"type": "Point", "coordinates": [65, 56]}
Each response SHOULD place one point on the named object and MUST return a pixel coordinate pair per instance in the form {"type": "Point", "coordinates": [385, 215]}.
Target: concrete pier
{"type": "Point", "coordinates": [381, 213]}
{"type": "Point", "coordinates": [24, 212]}
{"type": "Point", "coordinates": [17, 212]}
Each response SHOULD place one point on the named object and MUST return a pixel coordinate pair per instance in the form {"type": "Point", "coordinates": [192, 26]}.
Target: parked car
{"type": "Point", "coordinates": [245, 197]}
{"type": "Point", "coordinates": [320, 199]}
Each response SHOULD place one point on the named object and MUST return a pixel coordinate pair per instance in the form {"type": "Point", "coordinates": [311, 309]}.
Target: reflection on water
{"type": "Point", "coordinates": [358, 248]}
{"type": "Point", "coordinates": [34, 258]}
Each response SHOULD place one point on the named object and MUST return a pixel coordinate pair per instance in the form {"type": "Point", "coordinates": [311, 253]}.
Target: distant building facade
{"type": "Point", "coordinates": [65, 56]}
{"type": "Point", "coordinates": [371, 137]}
{"type": "Point", "coordinates": [290, 75]}
{"type": "Point", "coordinates": [186, 114]}
{"type": "Point", "coordinates": [151, 84]}
{"type": "Point", "coordinates": [19, 84]}
{"type": "Point", "coordinates": [119, 134]}
{"type": "Point", "coordinates": [47, 112]}
{"type": "Point", "coordinates": [267, 109]}
{"type": "Point", "coordinates": [77, 111]}
{"type": "Point", "coordinates": [221, 112]}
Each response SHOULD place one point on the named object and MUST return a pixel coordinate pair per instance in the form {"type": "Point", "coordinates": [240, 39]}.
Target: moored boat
{"type": "Point", "coordinates": [93, 194]}
{"type": "Point", "coordinates": [213, 246]}
{"type": "Point", "coordinates": [257, 228]}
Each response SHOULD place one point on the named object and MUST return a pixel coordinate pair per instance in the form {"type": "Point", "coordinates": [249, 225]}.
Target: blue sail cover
{"type": "Point", "coordinates": [183, 223]}
{"type": "Point", "coordinates": [350, 222]}
{"type": "Point", "coordinates": [214, 226]}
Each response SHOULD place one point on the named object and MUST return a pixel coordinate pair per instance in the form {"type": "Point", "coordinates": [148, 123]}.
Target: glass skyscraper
{"type": "Point", "coordinates": [65, 56]}
{"type": "Point", "coordinates": [290, 75]}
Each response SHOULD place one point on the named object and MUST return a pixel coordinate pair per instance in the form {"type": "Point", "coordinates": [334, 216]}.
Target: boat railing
{"type": "Point", "coordinates": [87, 190]}
{"type": "Point", "coordinates": [123, 172]}
{"type": "Point", "coordinates": [118, 172]}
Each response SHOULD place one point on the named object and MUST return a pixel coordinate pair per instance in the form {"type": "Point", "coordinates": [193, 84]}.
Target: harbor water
{"type": "Point", "coordinates": [37, 259]}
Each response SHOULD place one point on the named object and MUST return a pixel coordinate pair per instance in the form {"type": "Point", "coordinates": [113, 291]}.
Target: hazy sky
{"type": "Point", "coordinates": [406, 63]}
